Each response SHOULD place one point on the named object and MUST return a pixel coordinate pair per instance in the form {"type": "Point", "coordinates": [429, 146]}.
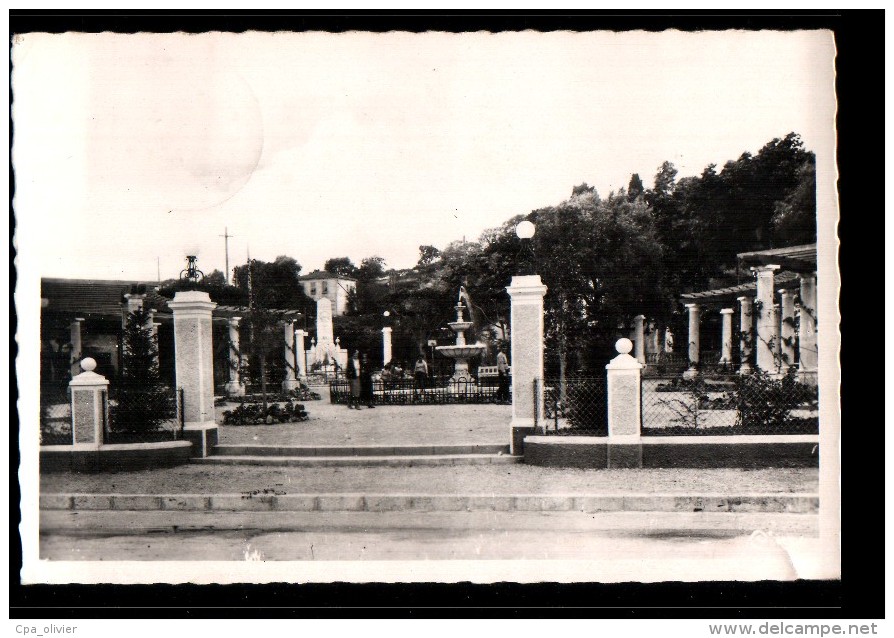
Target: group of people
{"type": "Point", "coordinates": [359, 375]}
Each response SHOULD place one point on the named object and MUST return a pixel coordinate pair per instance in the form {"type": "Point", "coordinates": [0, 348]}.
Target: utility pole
{"type": "Point", "coordinates": [158, 267]}
{"type": "Point", "coordinates": [226, 255]}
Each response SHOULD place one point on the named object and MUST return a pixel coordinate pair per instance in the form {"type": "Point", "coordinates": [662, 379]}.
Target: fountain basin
{"type": "Point", "coordinates": [461, 351]}
{"type": "Point", "coordinates": [460, 326]}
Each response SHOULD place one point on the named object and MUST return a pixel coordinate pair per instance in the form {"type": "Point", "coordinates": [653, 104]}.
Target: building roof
{"type": "Point", "coordinates": [96, 297]}
{"type": "Point", "coordinates": [323, 274]}
{"type": "Point", "coordinates": [100, 298]}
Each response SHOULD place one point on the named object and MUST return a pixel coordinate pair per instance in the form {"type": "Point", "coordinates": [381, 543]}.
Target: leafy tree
{"type": "Point", "coordinates": [635, 188]}
{"type": "Point", "coordinates": [794, 217]}
{"type": "Point", "coordinates": [371, 268]}
{"type": "Point", "coordinates": [428, 255]}
{"type": "Point", "coordinates": [341, 266]}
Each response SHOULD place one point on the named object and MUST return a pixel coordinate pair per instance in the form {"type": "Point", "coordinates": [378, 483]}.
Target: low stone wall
{"type": "Point", "coordinates": [133, 456]}
{"type": "Point", "coordinates": [746, 452]}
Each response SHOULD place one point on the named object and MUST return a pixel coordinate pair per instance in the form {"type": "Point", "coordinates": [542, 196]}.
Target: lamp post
{"type": "Point", "coordinates": [192, 273]}
{"type": "Point", "coordinates": [525, 232]}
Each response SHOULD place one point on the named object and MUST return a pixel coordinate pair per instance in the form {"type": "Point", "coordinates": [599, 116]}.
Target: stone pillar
{"type": "Point", "coordinates": [694, 346]}
{"type": "Point", "coordinates": [726, 336]}
{"type": "Point", "coordinates": [764, 342]}
{"type": "Point", "coordinates": [194, 366]}
{"type": "Point", "coordinates": [132, 303]}
{"type": "Point", "coordinates": [639, 341]}
{"type": "Point", "coordinates": [787, 328]}
{"type": "Point", "coordinates": [76, 347]}
{"type": "Point", "coordinates": [776, 341]}
{"type": "Point", "coordinates": [624, 408]}
{"type": "Point", "coordinates": [386, 345]}
{"type": "Point", "coordinates": [288, 333]}
{"type": "Point", "coordinates": [526, 293]}
{"type": "Point", "coordinates": [234, 387]}
{"type": "Point", "coordinates": [301, 354]}
{"type": "Point", "coordinates": [89, 411]}
{"type": "Point", "coordinates": [807, 348]}
{"type": "Point", "coordinates": [746, 334]}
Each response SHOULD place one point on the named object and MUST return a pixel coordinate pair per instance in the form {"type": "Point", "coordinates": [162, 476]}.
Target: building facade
{"type": "Point", "coordinates": [321, 284]}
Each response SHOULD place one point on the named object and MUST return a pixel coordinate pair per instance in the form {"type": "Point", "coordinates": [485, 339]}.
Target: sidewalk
{"type": "Point", "coordinates": [329, 424]}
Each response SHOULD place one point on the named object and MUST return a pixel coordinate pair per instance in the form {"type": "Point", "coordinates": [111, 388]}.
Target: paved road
{"type": "Point", "coordinates": [608, 547]}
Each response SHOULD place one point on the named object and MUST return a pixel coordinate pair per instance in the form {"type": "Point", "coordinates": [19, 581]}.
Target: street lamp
{"type": "Point", "coordinates": [191, 273]}
{"type": "Point", "coordinates": [525, 231]}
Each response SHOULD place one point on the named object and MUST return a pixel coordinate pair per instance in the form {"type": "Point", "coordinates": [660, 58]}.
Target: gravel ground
{"type": "Point", "coordinates": [384, 425]}
{"type": "Point", "coordinates": [469, 479]}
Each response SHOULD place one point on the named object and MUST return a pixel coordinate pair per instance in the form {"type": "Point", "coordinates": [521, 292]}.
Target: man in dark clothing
{"type": "Point", "coordinates": [366, 384]}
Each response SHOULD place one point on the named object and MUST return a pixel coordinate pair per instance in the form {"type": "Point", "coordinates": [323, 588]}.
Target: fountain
{"type": "Point", "coordinates": [461, 352]}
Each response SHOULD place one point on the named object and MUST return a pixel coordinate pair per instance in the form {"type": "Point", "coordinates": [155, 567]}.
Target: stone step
{"type": "Point", "coordinates": [366, 461]}
{"type": "Point", "coordinates": [357, 450]}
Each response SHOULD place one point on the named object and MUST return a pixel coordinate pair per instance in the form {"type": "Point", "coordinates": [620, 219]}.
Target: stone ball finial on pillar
{"type": "Point", "coordinates": [624, 345]}
{"type": "Point", "coordinates": [88, 364]}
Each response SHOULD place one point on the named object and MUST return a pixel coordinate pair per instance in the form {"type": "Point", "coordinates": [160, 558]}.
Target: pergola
{"type": "Point", "coordinates": [767, 323]}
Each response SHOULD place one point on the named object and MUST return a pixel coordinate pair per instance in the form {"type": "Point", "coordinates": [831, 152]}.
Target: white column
{"type": "Point", "coordinates": [234, 386]}
{"type": "Point", "coordinates": [787, 328]}
{"type": "Point", "coordinates": [526, 293]}
{"type": "Point", "coordinates": [132, 303]}
{"type": "Point", "coordinates": [639, 342]}
{"type": "Point", "coordinates": [76, 346]}
{"type": "Point", "coordinates": [288, 333]}
{"type": "Point", "coordinates": [746, 333]}
{"type": "Point", "coordinates": [386, 345]}
{"type": "Point", "coordinates": [807, 348]}
{"type": "Point", "coordinates": [301, 354]}
{"type": "Point", "coordinates": [776, 340]}
{"type": "Point", "coordinates": [193, 356]}
{"type": "Point", "coordinates": [726, 336]}
{"type": "Point", "coordinates": [764, 343]}
{"type": "Point", "coordinates": [694, 345]}
{"type": "Point", "coordinates": [88, 411]}
{"type": "Point", "coordinates": [624, 408]}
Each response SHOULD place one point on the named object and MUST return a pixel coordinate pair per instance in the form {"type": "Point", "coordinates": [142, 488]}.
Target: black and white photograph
{"type": "Point", "coordinates": [395, 307]}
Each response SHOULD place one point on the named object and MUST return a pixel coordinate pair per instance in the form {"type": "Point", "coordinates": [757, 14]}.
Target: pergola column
{"type": "Point", "coordinates": [74, 361]}
{"type": "Point", "coordinates": [746, 333]}
{"type": "Point", "coordinates": [386, 345]}
{"type": "Point", "coordinates": [694, 345]}
{"type": "Point", "coordinates": [301, 354]}
{"type": "Point", "coordinates": [807, 350]}
{"type": "Point", "coordinates": [234, 387]}
{"type": "Point", "coordinates": [288, 333]}
{"type": "Point", "coordinates": [766, 359]}
{"type": "Point", "coordinates": [639, 342]}
{"type": "Point", "coordinates": [787, 328]}
{"type": "Point", "coordinates": [726, 336]}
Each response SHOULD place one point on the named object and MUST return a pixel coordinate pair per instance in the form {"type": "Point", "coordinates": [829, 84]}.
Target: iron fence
{"type": "Point", "coordinates": [141, 414]}
{"type": "Point", "coordinates": [757, 403]}
{"type": "Point", "coordinates": [574, 406]}
{"type": "Point", "coordinates": [55, 415]}
{"type": "Point", "coordinates": [409, 392]}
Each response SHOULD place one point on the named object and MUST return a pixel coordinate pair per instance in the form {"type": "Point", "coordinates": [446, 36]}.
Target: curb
{"type": "Point", "coordinates": [253, 502]}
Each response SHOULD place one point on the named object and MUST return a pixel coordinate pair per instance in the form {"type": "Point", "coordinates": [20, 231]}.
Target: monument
{"type": "Point", "coordinates": [326, 350]}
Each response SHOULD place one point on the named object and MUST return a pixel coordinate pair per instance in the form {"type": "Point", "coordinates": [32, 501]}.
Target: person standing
{"type": "Point", "coordinates": [420, 376]}
{"type": "Point", "coordinates": [366, 384]}
{"type": "Point", "coordinates": [502, 376]}
{"type": "Point", "coordinates": [353, 374]}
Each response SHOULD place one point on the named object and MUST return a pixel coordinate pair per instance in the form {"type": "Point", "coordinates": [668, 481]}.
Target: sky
{"type": "Point", "coordinates": [132, 151]}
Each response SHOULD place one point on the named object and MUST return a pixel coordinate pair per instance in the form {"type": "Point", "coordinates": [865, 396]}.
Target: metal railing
{"type": "Point", "coordinates": [409, 392]}
{"type": "Point", "coordinates": [575, 406]}
{"type": "Point", "coordinates": [140, 414]}
{"type": "Point", "coordinates": [757, 403]}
